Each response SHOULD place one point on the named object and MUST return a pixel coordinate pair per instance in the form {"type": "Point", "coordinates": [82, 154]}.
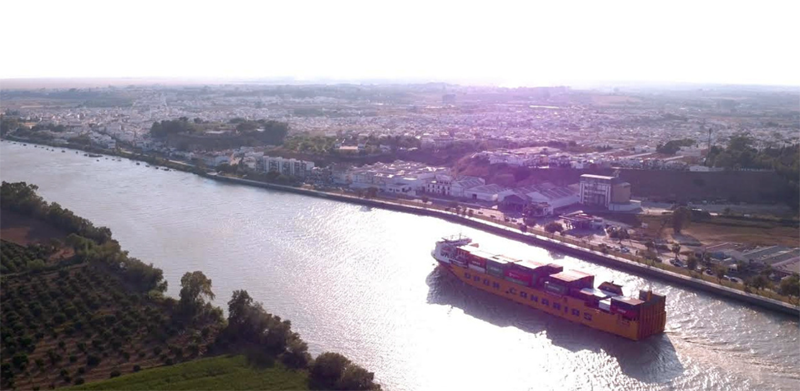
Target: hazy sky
{"type": "Point", "coordinates": [527, 42]}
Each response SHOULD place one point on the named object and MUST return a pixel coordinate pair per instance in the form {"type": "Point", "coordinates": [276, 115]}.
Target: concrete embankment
{"type": "Point", "coordinates": [545, 242]}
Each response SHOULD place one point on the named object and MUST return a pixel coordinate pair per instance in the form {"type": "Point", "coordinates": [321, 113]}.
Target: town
{"type": "Point", "coordinates": [684, 177]}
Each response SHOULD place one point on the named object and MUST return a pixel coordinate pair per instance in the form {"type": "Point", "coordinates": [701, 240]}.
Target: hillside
{"type": "Point", "coordinates": [216, 373]}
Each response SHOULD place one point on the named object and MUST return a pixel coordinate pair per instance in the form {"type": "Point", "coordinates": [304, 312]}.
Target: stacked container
{"type": "Point", "coordinates": [477, 263]}
{"type": "Point", "coordinates": [518, 276]}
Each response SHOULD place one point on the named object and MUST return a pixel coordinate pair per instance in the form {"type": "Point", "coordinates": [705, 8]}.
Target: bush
{"type": "Point", "coordinates": [73, 358]}
{"type": "Point", "coordinates": [20, 360]}
{"type": "Point", "coordinates": [114, 374]}
{"type": "Point", "coordinates": [356, 378]}
{"type": "Point", "coordinates": [168, 361]}
{"type": "Point", "coordinates": [79, 381]}
{"type": "Point", "coordinates": [329, 367]}
{"type": "Point", "coordinates": [137, 368]}
{"type": "Point", "coordinates": [92, 360]}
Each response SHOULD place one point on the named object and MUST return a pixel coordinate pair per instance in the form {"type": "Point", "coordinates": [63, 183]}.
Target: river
{"type": "Point", "coordinates": [362, 282]}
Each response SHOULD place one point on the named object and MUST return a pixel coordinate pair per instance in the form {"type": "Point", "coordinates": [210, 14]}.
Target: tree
{"type": "Point", "coordinates": [329, 367]}
{"type": "Point", "coordinates": [297, 355]}
{"type": "Point", "coordinates": [195, 288]}
{"type": "Point", "coordinates": [239, 309]}
{"type": "Point", "coordinates": [681, 218]}
{"type": "Point", "coordinates": [355, 377]}
{"type": "Point", "coordinates": [759, 282]}
{"type": "Point", "coordinates": [790, 286]}
{"type": "Point", "coordinates": [691, 262]}
{"type": "Point", "coordinates": [676, 248]}
{"type": "Point", "coordinates": [553, 227]}
{"type": "Point", "coordinates": [719, 271]}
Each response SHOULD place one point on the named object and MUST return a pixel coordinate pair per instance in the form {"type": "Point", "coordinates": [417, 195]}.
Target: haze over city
{"type": "Point", "coordinates": [499, 43]}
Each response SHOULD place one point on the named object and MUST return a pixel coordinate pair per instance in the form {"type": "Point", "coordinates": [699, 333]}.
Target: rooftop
{"type": "Point", "coordinates": [571, 275]}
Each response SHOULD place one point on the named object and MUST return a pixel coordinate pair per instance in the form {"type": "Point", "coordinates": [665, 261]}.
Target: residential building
{"type": "Point", "coordinates": [287, 167]}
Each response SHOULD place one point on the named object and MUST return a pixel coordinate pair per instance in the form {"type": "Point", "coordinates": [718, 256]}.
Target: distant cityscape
{"type": "Point", "coordinates": [514, 154]}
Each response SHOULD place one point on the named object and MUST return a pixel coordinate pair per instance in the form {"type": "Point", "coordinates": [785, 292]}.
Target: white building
{"type": "Point", "coordinates": [488, 193]}
{"type": "Point", "coordinates": [288, 167]}
{"type": "Point", "coordinates": [458, 188]}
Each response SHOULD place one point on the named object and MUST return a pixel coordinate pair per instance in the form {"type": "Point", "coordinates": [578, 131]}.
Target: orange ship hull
{"type": "Point", "coordinates": [651, 319]}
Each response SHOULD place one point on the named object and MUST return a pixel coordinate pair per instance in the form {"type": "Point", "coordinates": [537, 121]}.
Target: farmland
{"type": "Point", "coordinates": [94, 313]}
{"type": "Point", "coordinates": [233, 372]}
{"type": "Point", "coordinates": [81, 323]}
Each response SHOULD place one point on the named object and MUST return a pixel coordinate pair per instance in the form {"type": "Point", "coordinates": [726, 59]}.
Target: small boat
{"type": "Point", "coordinates": [63, 151]}
{"type": "Point", "coordinates": [166, 169]}
{"type": "Point", "coordinates": [137, 163]}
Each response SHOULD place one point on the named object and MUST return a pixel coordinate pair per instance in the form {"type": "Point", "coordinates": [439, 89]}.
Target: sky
{"type": "Point", "coordinates": [489, 42]}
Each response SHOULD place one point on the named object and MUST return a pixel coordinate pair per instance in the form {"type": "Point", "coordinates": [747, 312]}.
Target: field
{"type": "Point", "coordinates": [214, 373]}
{"type": "Point", "coordinates": [81, 323]}
{"type": "Point", "coordinates": [721, 229]}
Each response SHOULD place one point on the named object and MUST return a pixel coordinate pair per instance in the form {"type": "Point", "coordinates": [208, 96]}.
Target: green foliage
{"type": "Point", "coordinates": [672, 146]}
{"type": "Point", "coordinates": [681, 218]}
{"type": "Point", "coordinates": [553, 227]}
{"type": "Point", "coordinates": [329, 367]}
{"type": "Point", "coordinates": [215, 373]}
{"type": "Point", "coordinates": [790, 286]}
{"type": "Point", "coordinates": [195, 288]}
{"type": "Point", "coordinates": [356, 378]}
{"type": "Point", "coordinates": [167, 127]}
{"type": "Point", "coordinates": [21, 197]}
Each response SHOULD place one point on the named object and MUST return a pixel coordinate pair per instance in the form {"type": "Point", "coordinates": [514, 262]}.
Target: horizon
{"type": "Point", "coordinates": [503, 45]}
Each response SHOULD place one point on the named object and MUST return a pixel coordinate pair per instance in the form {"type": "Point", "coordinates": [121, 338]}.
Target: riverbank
{"type": "Point", "coordinates": [555, 243]}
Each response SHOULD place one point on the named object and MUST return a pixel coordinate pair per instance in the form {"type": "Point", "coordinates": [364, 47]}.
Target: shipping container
{"type": "Point", "coordinates": [477, 260]}
{"type": "Point", "coordinates": [625, 306]}
{"type": "Point", "coordinates": [519, 275]}
{"type": "Point", "coordinates": [516, 281]}
{"type": "Point", "coordinates": [555, 288]}
{"type": "Point", "coordinates": [495, 268]}
{"type": "Point", "coordinates": [477, 268]}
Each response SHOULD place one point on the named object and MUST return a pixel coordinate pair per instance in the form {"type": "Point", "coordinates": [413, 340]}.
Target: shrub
{"type": "Point", "coordinates": [329, 367]}
{"type": "Point", "coordinates": [92, 360]}
{"type": "Point", "coordinates": [73, 358]}
{"type": "Point", "coordinates": [355, 378]}
{"type": "Point", "coordinates": [64, 373]}
{"type": "Point", "coordinates": [115, 374]}
{"type": "Point", "coordinates": [79, 381]}
{"type": "Point", "coordinates": [81, 370]}
{"type": "Point", "coordinates": [157, 350]}
{"type": "Point", "coordinates": [20, 360]}
{"type": "Point", "coordinates": [168, 362]}
{"type": "Point", "coordinates": [137, 368]}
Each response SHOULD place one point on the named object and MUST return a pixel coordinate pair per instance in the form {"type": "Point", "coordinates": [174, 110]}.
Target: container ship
{"type": "Point", "coordinates": [569, 294]}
